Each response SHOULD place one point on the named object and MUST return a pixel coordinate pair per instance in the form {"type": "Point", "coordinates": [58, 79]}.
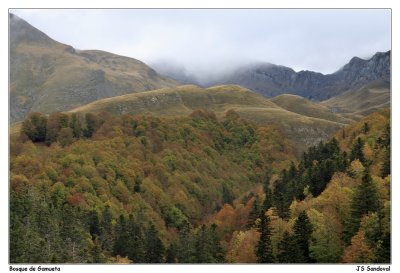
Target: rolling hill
{"type": "Point", "coordinates": [48, 76]}
{"type": "Point", "coordinates": [302, 106]}
{"type": "Point", "coordinates": [305, 129]}
{"type": "Point", "coordinates": [362, 101]}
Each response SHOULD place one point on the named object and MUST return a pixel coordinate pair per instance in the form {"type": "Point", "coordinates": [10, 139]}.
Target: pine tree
{"type": "Point", "coordinates": [217, 251]}
{"type": "Point", "coordinates": [97, 254]}
{"type": "Point", "coordinates": [227, 197]}
{"type": "Point", "coordinates": [93, 223]}
{"type": "Point", "coordinates": [121, 237]}
{"type": "Point", "coordinates": [154, 246]}
{"type": "Point", "coordinates": [264, 246]}
{"type": "Point", "coordinates": [357, 151]}
{"type": "Point", "coordinates": [386, 164]}
{"type": "Point", "coordinates": [365, 200]}
{"type": "Point", "coordinates": [382, 253]}
{"type": "Point", "coordinates": [106, 230]}
{"type": "Point", "coordinates": [171, 254]}
{"type": "Point", "coordinates": [185, 245]}
{"type": "Point", "coordinates": [135, 243]}
{"type": "Point", "coordinates": [288, 250]}
{"type": "Point", "coordinates": [203, 246]}
{"type": "Point", "coordinates": [267, 204]}
{"type": "Point", "coordinates": [302, 235]}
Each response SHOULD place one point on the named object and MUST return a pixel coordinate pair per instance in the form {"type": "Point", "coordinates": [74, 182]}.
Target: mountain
{"type": "Point", "coordinates": [302, 127]}
{"type": "Point", "coordinates": [175, 71]}
{"type": "Point", "coordinates": [271, 80]}
{"type": "Point", "coordinates": [359, 102]}
{"type": "Point", "coordinates": [48, 76]}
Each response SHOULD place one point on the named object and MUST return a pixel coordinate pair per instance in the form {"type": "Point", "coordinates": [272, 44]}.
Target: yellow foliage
{"type": "Point", "coordinates": [357, 168]}
{"type": "Point", "coordinates": [241, 247]}
{"type": "Point", "coordinates": [119, 260]}
{"type": "Point", "coordinates": [358, 251]}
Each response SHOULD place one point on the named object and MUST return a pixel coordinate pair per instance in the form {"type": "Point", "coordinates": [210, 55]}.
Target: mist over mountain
{"type": "Point", "coordinates": [48, 76]}
{"type": "Point", "coordinates": [271, 80]}
{"type": "Point", "coordinates": [113, 163]}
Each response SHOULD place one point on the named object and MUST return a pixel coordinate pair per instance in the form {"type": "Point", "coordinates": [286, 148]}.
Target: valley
{"type": "Point", "coordinates": [113, 161]}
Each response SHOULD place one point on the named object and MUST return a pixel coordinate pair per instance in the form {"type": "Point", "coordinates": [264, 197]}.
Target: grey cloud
{"type": "Point", "coordinates": [209, 42]}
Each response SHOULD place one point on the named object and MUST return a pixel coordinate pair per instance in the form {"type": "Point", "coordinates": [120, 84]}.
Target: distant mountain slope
{"type": "Point", "coordinates": [362, 101]}
{"type": "Point", "coordinates": [48, 76]}
{"type": "Point", "coordinates": [183, 100]}
{"type": "Point", "coordinates": [271, 80]}
{"type": "Point", "coordinates": [302, 106]}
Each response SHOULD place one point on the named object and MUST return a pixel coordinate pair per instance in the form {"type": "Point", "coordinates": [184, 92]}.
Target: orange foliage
{"type": "Point", "coordinates": [358, 251]}
{"type": "Point", "coordinates": [76, 200]}
{"type": "Point", "coordinates": [241, 247]}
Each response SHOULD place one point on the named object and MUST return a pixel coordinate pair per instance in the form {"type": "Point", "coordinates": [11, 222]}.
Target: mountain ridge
{"type": "Point", "coordinates": [272, 80]}
{"type": "Point", "coordinates": [48, 76]}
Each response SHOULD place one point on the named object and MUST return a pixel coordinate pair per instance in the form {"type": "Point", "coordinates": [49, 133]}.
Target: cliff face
{"type": "Point", "coordinates": [271, 80]}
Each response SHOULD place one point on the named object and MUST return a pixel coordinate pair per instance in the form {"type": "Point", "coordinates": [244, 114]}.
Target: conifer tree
{"type": "Point", "coordinates": [94, 223]}
{"type": "Point", "coordinates": [382, 252]}
{"type": "Point", "coordinates": [154, 248]}
{"type": "Point", "coordinates": [227, 197]}
{"type": "Point", "coordinates": [357, 151]}
{"type": "Point", "coordinates": [171, 253]}
{"type": "Point", "coordinates": [121, 237]}
{"type": "Point", "coordinates": [203, 246]}
{"type": "Point", "coordinates": [97, 254]}
{"type": "Point", "coordinates": [386, 164]}
{"type": "Point", "coordinates": [106, 230]}
{"type": "Point", "coordinates": [264, 246]}
{"type": "Point", "coordinates": [135, 243]}
{"type": "Point", "coordinates": [302, 235]}
{"type": "Point", "coordinates": [217, 251]}
{"type": "Point", "coordinates": [288, 250]}
{"type": "Point", "coordinates": [365, 200]}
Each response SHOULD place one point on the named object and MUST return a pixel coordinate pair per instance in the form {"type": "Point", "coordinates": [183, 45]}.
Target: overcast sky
{"type": "Point", "coordinates": [210, 41]}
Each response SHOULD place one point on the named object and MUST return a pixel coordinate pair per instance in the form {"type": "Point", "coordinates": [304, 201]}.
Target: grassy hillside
{"type": "Point", "coordinates": [47, 76]}
{"type": "Point", "coordinates": [302, 106]}
{"type": "Point", "coordinates": [180, 101]}
{"type": "Point", "coordinates": [357, 103]}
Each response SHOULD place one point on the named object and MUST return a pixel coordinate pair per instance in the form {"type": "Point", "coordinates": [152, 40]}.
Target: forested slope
{"type": "Point", "coordinates": [331, 207]}
{"type": "Point", "coordinates": [92, 188]}
{"type": "Point", "coordinates": [197, 189]}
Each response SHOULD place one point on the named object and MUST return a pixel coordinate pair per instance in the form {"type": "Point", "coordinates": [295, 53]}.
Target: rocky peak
{"type": "Point", "coordinates": [271, 80]}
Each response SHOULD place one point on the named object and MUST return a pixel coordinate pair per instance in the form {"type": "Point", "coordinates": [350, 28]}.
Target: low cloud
{"type": "Point", "coordinates": [211, 42]}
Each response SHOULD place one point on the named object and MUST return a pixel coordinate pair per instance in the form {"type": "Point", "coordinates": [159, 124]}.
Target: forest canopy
{"type": "Point", "coordinates": [99, 188]}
